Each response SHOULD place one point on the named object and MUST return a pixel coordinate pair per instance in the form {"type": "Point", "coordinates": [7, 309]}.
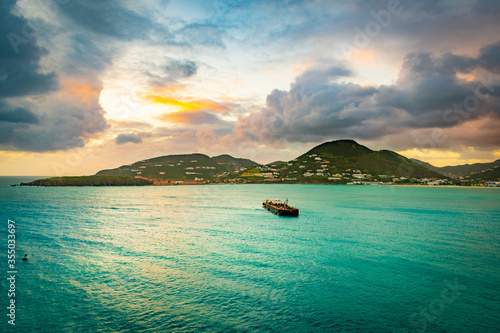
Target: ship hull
{"type": "Point", "coordinates": [281, 211]}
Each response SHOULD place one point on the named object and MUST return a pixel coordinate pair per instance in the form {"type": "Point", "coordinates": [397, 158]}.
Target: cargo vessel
{"type": "Point", "coordinates": [280, 208]}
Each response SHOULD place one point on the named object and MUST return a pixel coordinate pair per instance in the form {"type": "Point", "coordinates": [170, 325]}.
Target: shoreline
{"type": "Point", "coordinates": [263, 183]}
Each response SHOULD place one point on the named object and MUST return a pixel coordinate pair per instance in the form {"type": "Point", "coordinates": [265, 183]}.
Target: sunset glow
{"type": "Point", "coordinates": [186, 106]}
{"type": "Point", "coordinates": [267, 79]}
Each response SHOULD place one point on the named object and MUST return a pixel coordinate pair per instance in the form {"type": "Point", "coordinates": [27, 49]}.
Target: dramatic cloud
{"type": "Point", "coordinates": [125, 138]}
{"type": "Point", "coordinates": [39, 111]}
{"type": "Point", "coordinates": [20, 73]}
{"type": "Point", "coordinates": [63, 120]}
{"type": "Point", "coordinates": [113, 18]}
{"type": "Point", "coordinates": [84, 57]}
{"type": "Point", "coordinates": [18, 115]}
{"type": "Point", "coordinates": [428, 94]}
{"type": "Point", "coordinates": [489, 57]}
{"type": "Point", "coordinates": [266, 77]}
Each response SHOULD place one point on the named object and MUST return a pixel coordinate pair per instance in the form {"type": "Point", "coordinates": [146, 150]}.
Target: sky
{"type": "Point", "coordinates": [91, 85]}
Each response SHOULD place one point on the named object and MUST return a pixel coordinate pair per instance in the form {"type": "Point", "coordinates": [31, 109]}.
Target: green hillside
{"type": "Point", "coordinates": [349, 157]}
{"type": "Point", "coordinates": [228, 159]}
{"type": "Point", "coordinates": [468, 169]}
{"type": "Point", "coordinates": [335, 162]}
{"type": "Point", "coordinates": [340, 148]}
{"type": "Point", "coordinates": [180, 167]}
{"type": "Point", "coordinates": [339, 161]}
{"type": "Point", "coordinates": [492, 174]}
{"type": "Point", "coordinates": [474, 171]}
{"type": "Point", "coordinates": [275, 163]}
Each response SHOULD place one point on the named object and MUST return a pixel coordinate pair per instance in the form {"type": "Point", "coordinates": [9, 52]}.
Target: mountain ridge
{"type": "Point", "coordinates": [226, 158]}
{"type": "Point", "coordinates": [337, 161]}
{"type": "Point", "coordinates": [333, 162]}
{"type": "Point", "coordinates": [348, 154]}
{"type": "Point", "coordinates": [463, 170]}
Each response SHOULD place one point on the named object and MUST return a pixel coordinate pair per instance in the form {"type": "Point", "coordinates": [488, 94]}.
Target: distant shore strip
{"type": "Point", "coordinates": [141, 181]}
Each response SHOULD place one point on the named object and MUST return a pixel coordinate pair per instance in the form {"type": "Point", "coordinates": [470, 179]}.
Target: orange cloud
{"type": "Point", "coordinates": [467, 77]}
{"type": "Point", "coordinates": [298, 69]}
{"type": "Point", "coordinates": [194, 117]}
{"type": "Point", "coordinates": [81, 90]}
{"type": "Point", "coordinates": [175, 117]}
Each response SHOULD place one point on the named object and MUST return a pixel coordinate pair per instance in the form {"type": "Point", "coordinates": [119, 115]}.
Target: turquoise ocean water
{"type": "Point", "coordinates": [210, 259]}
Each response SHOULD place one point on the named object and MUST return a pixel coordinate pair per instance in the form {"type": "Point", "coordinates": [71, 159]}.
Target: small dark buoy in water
{"type": "Point", "coordinates": [25, 256]}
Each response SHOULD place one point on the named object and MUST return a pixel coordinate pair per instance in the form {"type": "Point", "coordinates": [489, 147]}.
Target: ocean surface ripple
{"type": "Point", "coordinates": [210, 259]}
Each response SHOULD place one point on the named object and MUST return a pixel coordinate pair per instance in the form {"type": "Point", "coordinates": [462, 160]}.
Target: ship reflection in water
{"type": "Point", "coordinates": [280, 208]}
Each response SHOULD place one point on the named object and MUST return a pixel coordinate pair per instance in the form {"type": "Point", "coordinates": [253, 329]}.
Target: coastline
{"type": "Point", "coordinates": [257, 183]}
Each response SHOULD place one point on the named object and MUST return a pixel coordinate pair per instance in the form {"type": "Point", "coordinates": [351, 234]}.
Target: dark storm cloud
{"type": "Point", "coordinates": [312, 108]}
{"type": "Point", "coordinates": [84, 57]}
{"type": "Point", "coordinates": [426, 95]}
{"type": "Point", "coordinates": [126, 138]}
{"type": "Point", "coordinates": [414, 26]}
{"type": "Point", "coordinates": [88, 35]}
{"type": "Point", "coordinates": [489, 57]}
{"type": "Point", "coordinates": [19, 58]}
{"type": "Point", "coordinates": [17, 115]}
{"type": "Point", "coordinates": [59, 124]}
{"type": "Point", "coordinates": [426, 84]}
{"type": "Point", "coordinates": [36, 139]}
{"type": "Point", "coordinates": [449, 64]}
{"type": "Point", "coordinates": [36, 112]}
